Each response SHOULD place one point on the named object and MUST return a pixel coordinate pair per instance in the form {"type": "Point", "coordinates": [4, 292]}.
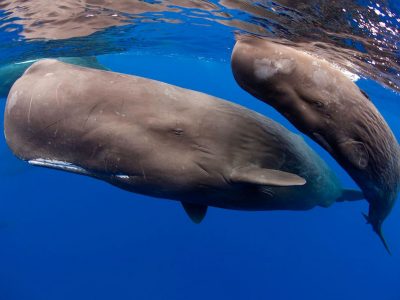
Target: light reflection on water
{"type": "Point", "coordinates": [360, 36]}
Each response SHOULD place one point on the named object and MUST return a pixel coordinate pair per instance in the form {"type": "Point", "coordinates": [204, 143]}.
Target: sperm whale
{"type": "Point", "coordinates": [328, 107]}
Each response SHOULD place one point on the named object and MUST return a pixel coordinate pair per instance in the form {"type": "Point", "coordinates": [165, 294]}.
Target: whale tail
{"type": "Point", "coordinates": [382, 238]}
{"type": "Point", "coordinates": [377, 226]}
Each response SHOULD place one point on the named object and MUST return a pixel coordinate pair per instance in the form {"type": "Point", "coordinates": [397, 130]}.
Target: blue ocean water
{"type": "Point", "coordinates": [65, 236]}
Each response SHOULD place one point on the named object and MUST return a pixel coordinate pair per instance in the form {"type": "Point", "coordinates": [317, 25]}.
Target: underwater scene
{"type": "Point", "coordinates": [193, 149]}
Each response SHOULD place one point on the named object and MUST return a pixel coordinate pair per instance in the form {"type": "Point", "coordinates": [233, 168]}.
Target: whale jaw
{"type": "Point", "coordinates": [59, 165]}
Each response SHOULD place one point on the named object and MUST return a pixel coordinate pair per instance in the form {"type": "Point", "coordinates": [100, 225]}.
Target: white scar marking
{"type": "Point", "coordinates": [58, 103]}
{"type": "Point", "coordinates": [58, 86]}
{"type": "Point", "coordinates": [30, 107]}
{"type": "Point", "coordinates": [144, 174]}
{"type": "Point", "coordinates": [321, 78]}
{"type": "Point", "coordinates": [265, 68]}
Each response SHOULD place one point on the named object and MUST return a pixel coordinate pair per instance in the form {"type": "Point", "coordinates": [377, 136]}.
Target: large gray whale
{"type": "Point", "coordinates": [327, 106]}
{"type": "Point", "coordinates": [156, 139]}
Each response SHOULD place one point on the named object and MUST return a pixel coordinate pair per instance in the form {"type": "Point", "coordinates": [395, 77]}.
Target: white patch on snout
{"type": "Point", "coordinates": [321, 77]}
{"type": "Point", "coordinates": [122, 176]}
{"type": "Point", "coordinates": [48, 74]}
{"type": "Point", "coordinates": [265, 68]}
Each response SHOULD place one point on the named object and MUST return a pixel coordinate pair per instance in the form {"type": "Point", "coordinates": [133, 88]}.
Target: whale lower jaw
{"type": "Point", "coordinates": [70, 167]}
{"type": "Point", "coordinates": [59, 165]}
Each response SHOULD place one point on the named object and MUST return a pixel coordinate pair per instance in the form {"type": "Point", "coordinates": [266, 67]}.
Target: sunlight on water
{"type": "Point", "coordinates": [360, 36]}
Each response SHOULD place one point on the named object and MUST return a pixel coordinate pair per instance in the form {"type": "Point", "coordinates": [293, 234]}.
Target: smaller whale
{"type": "Point", "coordinates": [160, 140]}
{"type": "Point", "coordinates": [10, 73]}
{"type": "Point", "coordinates": [328, 107]}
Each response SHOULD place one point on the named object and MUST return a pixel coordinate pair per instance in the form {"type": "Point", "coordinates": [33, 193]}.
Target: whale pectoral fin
{"type": "Point", "coordinates": [350, 195]}
{"type": "Point", "coordinates": [356, 153]}
{"type": "Point", "coordinates": [322, 141]}
{"type": "Point", "coordinates": [260, 176]}
{"type": "Point", "coordinates": [196, 212]}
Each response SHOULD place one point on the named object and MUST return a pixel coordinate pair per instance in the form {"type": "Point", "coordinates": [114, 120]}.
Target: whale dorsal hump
{"type": "Point", "coordinates": [259, 176]}
{"type": "Point", "coordinates": [196, 212]}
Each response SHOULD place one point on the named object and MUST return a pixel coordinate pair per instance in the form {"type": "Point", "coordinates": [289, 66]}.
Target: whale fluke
{"type": "Point", "coordinates": [382, 238]}
{"type": "Point", "coordinates": [196, 212]}
{"type": "Point", "coordinates": [378, 231]}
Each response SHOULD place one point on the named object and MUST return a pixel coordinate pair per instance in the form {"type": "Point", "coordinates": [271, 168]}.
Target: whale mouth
{"type": "Point", "coordinates": [59, 165]}
{"type": "Point", "coordinates": [72, 168]}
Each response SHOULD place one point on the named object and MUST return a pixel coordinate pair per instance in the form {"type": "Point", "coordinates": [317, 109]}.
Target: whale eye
{"type": "Point", "coordinates": [177, 131]}
{"type": "Point", "coordinates": [312, 102]}
{"type": "Point", "coordinates": [318, 104]}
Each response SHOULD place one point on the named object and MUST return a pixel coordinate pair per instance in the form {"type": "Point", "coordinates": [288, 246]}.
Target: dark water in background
{"type": "Point", "coordinates": [64, 236]}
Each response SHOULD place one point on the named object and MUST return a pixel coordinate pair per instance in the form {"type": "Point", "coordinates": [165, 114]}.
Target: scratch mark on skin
{"type": "Point", "coordinates": [44, 128]}
{"type": "Point", "coordinates": [202, 168]}
{"type": "Point", "coordinates": [58, 101]}
{"type": "Point", "coordinates": [58, 104]}
{"type": "Point", "coordinates": [90, 113]}
{"type": "Point", "coordinates": [202, 149]}
{"type": "Point", "coordinates": [29, 110]}
{"type": "Point", "coordinates": [143, 173]}
{"type": "Point", "coordinates": [56, 131]}
{"type": "Point", "coordinates": [95, 150]}
{"type": "Point", "coordinates": [267, 191]}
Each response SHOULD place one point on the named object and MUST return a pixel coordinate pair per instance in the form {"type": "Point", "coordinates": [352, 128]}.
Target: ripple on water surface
{"type": "Point", "coordinates": [359, 36]}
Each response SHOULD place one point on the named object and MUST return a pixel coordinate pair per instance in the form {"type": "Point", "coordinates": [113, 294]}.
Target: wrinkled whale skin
{"type": "Point", "coordinates": [328, 107]}
{"type": "Point", "coordinates": [160, 140]}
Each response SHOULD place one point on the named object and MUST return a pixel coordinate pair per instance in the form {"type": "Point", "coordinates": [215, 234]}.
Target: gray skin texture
{"type": "Point", "coordinates": [156, 139]}
{"type": "Point", "coordinates": [10, 73]}
{"type": "Point", "coordinates": [328, 107]}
